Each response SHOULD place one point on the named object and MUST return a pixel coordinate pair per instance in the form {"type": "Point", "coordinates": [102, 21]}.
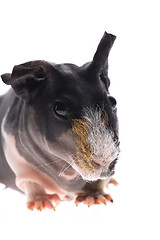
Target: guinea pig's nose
{"type": "Point", "coordinates": [112, 165]}
{"type": "Point", "coordinates": [95, 164]}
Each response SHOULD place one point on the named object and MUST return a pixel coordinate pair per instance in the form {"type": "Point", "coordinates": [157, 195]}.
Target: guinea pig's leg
{"type": "Point", "coordinates": [94, 193]}
{"type": "Point", "coordinates": [37, 198]}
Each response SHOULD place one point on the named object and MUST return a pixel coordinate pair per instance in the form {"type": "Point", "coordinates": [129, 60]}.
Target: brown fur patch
{"type": "Point", "coordinates": [83, 155]}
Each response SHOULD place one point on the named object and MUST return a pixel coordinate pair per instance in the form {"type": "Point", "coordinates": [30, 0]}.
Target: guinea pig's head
{"type": "Point", "coordinates": [74, 110]}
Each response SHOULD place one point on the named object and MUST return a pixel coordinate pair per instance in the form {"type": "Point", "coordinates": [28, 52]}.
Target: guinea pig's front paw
{"type": "Point", "coordinates": [44, 201]}
{"type": "Point", "coordinates": [94, 193]}
{"type": "Point", "coordinates": [96, 199]}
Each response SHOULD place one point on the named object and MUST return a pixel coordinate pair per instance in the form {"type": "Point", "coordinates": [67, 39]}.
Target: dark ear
{"type": "Point", "coordinates": [27, 78]}
{"type": "Point", "coordinates": [100, 58]}
{"type": "Point", "coordinates": [99, 64]}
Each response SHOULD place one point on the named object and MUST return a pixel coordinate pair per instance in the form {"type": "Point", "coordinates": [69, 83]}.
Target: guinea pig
{"type": "Point", "coordinates": [59, 131]}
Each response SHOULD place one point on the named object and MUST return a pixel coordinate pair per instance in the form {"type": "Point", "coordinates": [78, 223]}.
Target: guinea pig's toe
{"type": "Point", "coordinates": [30, 205]}
{"type": "Point", "coordinates": [79, 199]}
{"type": "Point", "coordinates": [44, 202]}
{"type": "Point", "coordinates": [108, 198]}
{"type": "Point", "coordinates": [89, 201]}
{"type": "Point", "coordinates": [100, 199]}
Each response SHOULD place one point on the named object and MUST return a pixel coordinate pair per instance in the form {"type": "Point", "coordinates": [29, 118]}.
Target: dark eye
{"type": "Point", "coordinates": [60, 109]}
{"type": "Point", "coordinates": [113, 103]}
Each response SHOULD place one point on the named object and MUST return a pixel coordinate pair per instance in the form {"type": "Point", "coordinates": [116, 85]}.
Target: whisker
{"type": "Point", "coordinates": [63, 170]}
{"type": "Point", "coordinates": [53, 162]}
{"type": "Point", "coordinates": [47, 164]}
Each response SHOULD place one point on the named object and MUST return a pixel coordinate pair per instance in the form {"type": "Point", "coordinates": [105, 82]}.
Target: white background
{"type": "Point", "coordinates": [69, 31]}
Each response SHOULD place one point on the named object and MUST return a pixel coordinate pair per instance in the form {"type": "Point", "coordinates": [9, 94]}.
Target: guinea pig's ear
{"type": "Point", "coordinates": [27, 78]}
{"type": "Point", "coordinates": [99, 64]}
{"type": "Point", "coordinates": [101, 56]}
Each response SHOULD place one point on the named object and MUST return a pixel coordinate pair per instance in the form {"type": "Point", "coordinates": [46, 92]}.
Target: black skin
{"type": "Point", "coordinates": [44, 86]}
{"type": "Point", "coordinates": [74, 98]}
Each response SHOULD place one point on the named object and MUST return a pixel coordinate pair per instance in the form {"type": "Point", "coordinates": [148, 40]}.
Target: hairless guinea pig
{"type": "Point", "coordinates": [59, 131]}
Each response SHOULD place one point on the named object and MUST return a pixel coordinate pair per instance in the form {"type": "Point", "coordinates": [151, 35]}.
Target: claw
{"type": "Point", "coordinates": [79, 199]}
{"type": "Point", "coordinates": [109, 198]}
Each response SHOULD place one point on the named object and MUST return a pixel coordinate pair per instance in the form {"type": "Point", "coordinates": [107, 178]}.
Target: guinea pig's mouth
{"type": "Point", "coordinates": [105, 171]}
{"type": "Point", "coordinates": [97, 172]}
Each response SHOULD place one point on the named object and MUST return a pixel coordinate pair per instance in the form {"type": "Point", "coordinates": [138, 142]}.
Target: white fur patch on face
{"type": "Point", "coordinates": [96, 146]}
{"type": "Point", "coordinates": [100, 138]}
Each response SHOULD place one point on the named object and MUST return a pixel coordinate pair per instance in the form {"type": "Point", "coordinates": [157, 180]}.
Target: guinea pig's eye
{"type": "Point", "coordinates": [60, 109]}
{"type": "Point", "coordinates": [113, 103]}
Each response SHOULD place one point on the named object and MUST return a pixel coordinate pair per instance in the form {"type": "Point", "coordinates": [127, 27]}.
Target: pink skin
{"type": "Point", "coordinates": [40, 189]}
{"type": "Point", "coordinates": [44, 201]}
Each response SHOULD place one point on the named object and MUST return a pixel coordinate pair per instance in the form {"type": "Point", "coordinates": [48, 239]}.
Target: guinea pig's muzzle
{"type": "Point", "coordinates": [97, 146]}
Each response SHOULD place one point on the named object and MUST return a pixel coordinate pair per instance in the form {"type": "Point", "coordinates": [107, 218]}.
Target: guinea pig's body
{"type": "Point", "coordinates": [59, 131]}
